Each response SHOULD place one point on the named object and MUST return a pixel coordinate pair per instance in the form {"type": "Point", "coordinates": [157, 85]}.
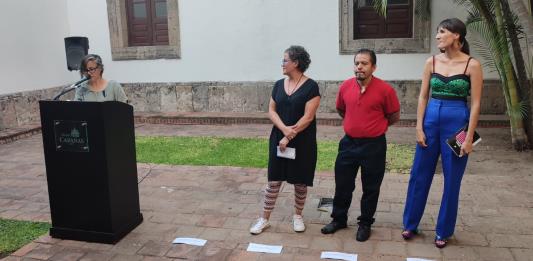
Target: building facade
{"type": "Point", "coordinates": [214, 55]}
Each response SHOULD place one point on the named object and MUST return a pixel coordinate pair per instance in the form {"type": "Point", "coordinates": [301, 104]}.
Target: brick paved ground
{"type": "Point", "coordinates": [219, 204]}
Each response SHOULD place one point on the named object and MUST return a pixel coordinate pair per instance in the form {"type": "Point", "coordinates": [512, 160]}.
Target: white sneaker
{"type": "Point", "coordinates": [298, 223]}
{"type": "Point", "coordinates": [259, 225]}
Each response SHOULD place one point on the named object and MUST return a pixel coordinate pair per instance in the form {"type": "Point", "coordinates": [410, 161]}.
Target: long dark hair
{"type": "Point", "coordinates": [457, 26]}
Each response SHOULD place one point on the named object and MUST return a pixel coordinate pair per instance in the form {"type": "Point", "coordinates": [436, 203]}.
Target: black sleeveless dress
{"type": "Point", "coordinates": [290, 109]}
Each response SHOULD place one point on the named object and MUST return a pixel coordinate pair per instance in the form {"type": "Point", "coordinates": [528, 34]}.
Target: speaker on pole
{"type": "Point", "coordinates": [75, 48]}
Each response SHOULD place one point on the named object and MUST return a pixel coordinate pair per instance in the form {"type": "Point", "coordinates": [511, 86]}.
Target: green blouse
{"type": "Point", "coordinates": [451, 87]}
{"type": "Point", "coordinates": [112, 92]}
{"type": "Point", "coordinates": [455, 87]}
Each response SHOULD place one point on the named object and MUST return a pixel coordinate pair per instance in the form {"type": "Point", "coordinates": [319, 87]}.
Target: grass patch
{"type": "Point", "coordinates": [400, 158]}
{"type": "Point", "coordinates": [14, 234]}
{"type": "Point", "coordinates": [244, 152]}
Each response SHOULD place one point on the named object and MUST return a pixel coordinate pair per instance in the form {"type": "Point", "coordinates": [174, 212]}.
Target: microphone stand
{"type": "Point", "coordinates": [64, 90]}
{"type": "Point", "coordinates": [68, 89]}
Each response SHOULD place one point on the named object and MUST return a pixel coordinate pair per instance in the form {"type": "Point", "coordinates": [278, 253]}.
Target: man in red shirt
{"type": "Point", "coordinates": [368, 106]}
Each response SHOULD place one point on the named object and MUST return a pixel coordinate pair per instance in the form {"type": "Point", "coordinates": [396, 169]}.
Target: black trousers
{"type": "Point", "coordinates": [369, 154]}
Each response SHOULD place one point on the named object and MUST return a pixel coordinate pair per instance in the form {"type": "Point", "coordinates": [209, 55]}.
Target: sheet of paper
{"type": "Point", "coordinates": [189, 241]}
{"type": "Point", "coordinates": [252, 247]}
{"type": "Point", "coordinates": [417, 259]}
{"type": "Point", "coordinates": [289, 153]}
{"type": "Point", "coordinates": [339, 256]}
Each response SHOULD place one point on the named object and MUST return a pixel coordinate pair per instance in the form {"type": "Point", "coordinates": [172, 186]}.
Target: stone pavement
{"type": "Point", "coordinates": [219, 203]}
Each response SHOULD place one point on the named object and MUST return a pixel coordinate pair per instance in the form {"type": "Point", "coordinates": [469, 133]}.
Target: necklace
{"type": "Point", "coordinates": [293, 89]}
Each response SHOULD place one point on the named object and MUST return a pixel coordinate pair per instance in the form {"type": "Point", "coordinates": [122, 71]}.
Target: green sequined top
{"type": "Point", "coordinates": [455, 87]}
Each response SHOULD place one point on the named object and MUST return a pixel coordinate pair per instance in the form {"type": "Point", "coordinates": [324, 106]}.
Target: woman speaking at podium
{"type": "Point", "coordinates": [97, 88]}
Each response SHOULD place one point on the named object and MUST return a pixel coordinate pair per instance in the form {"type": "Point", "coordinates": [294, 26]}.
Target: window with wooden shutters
{"type": "Point", "coordinates": [152, 33]}
{"type": "Point", "coordinates": [147, 22]}
{"type": "Point", "coordinates": [405, 30]}
{"type": "Point", "coordinates": [369, 24]}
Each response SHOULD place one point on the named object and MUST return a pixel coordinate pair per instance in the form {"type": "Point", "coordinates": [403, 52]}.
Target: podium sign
{"type": "Point", "coordinates": [71, 136]}
{"type": "Point", "coordinates": [89, 151]}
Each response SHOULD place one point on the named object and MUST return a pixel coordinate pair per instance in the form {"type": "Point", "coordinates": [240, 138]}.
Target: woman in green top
{"type": "Point", "coordinates": [97, 88]}
{"type": "Point", "coordinates": [450, 76]}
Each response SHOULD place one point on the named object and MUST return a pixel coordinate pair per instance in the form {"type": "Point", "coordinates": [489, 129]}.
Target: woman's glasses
{"type": "Point", "coordinates": [92, 69]}
{"type": "Point", "coordinates": [285, 61]}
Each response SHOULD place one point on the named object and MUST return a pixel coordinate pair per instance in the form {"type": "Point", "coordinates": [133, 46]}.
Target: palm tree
{"type": "Point", "coordinates": [523, 12]}
{"type": "Point", "coordinates": [525, 19]}
{"type": "Point", "coordinates": [498, 27]}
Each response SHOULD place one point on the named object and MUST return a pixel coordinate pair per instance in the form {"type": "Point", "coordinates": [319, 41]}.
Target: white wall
{"type": "Point", "coordinates": [32, 46]}
{"type": "Point", "coordinates": [232, 40]}
{"type": "Point", "coordinates": [238, 40]}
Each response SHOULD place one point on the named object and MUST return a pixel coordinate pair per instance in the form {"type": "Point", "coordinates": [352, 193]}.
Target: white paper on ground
{"type": "Point", "coordinates": [252, 247]}
{"type": "Point", "coordinates": [339, 256]}
{"type": "Point", "coordinates": [189, 241]}
{"type": "Point", "coordinates": [417, 259]}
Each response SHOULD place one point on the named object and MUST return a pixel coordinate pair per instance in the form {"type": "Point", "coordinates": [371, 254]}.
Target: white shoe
{"type": "Point", "coordinates": [298, 223]}
{"type": "Point", "coordinates": [259, 225]}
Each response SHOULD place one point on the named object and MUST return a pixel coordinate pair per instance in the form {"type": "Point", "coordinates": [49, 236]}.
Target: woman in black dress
{"type": "Point", "coordinates": [292, 109]}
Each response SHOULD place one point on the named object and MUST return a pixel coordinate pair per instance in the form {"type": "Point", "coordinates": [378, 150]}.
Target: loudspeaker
{"type": "Point", "coordinates": [75, 48]}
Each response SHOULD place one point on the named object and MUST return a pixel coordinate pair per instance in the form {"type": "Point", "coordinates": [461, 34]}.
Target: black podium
{"type": "Point", "coordinates": [89, 151]}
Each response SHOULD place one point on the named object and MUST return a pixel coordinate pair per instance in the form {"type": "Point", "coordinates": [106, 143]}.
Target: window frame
{"type": "Point", "coordinates": [418, 43]}
{"type": "Point", "coordinates": [118, 32]}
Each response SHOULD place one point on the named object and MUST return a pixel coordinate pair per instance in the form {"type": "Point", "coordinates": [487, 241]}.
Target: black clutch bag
{"type": "Point", "coordinates": [459, 137]}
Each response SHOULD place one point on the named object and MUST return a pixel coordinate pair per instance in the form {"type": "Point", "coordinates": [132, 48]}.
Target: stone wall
{"type": "Point", "coordinates": [254, 96]}
{"type": "Point", "coordinates": [23, 108]}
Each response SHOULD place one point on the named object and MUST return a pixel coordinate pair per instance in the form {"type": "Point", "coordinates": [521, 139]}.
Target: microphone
{"type": "Point", "coordinates": [72, 87]}
{"type": "Point", "coordinates": [84, 79]}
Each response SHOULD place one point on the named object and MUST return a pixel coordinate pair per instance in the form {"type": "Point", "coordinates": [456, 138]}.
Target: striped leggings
{"type": "Point", "coordinates": [272, 192]}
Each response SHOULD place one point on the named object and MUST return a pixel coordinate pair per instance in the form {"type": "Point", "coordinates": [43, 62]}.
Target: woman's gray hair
{"type": "Point", "coordinates": [299, 54]}
{"type": "Point", "coordinates": [91, 57]}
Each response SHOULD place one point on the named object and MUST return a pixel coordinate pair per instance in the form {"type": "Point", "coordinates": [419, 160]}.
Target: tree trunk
{"type": "Point", "coordinates": [526, 89]}
{"type": "Point", "coordinates": [523, 90]}
{"type": "Point", "coordinates": [519, 137]}
{"type": "Point", "coordinates": [521, 10]}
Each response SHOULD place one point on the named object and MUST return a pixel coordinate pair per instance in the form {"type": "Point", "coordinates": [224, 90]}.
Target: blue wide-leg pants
{"type": "Point", "coordinates": [441, 120]}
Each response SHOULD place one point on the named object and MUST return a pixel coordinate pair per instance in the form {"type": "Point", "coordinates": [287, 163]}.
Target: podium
{"type": "Point", "coordinates": [89, 151]}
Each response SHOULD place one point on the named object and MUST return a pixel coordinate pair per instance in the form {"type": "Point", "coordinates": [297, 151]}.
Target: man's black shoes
{"type": "Point", "coordinates": [363, 233]}
{"type": "Point", "coordinates": [332, 227]}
